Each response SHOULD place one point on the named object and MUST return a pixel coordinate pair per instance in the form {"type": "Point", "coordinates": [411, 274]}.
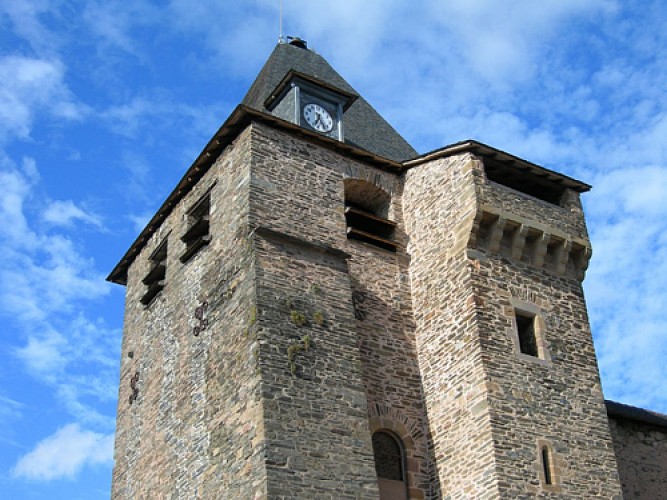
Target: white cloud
{"type": "Point", "coordinates": [14, 228]}
{"type": "Point", "coordinates": [29, 169]}
{"type": "Point", "coordinates": [625, 284]}
{"type": "Point", "coordinates": [127, 118]}
{"type": "Point", "coordinates": [79, 364]}
{"type": "Point", "coordinates": [65, 454]}
{"type": "Point", "coordinates": [140, 221]}
{"type": "Point", "coordinates": [9, 408]}
{"type": "Point", "coordinates": [640, 191]}
{"type": "Point", "coordinates": [43, 355]}
{"type": "Point", "coordinates": [28, 85]}
{"type": "Point", "coordinates": [41, 273]}
{"type": "Point", "coordinates": [141, 114]}
{"type": "Point", "coordinates": [49, 278]}
{"type": "Point", "coordinates": [74, 396]}
{"type": "Point", "coordinates": [65, 212]}
{"type": "Point", "coordinates": [112, 22]}
{"type": "Point", "coordinates": [25, 16]}
{"type": "Point", "coordinates": [44, 281]}
{"type": "Point", "coordinates": [240, 37]}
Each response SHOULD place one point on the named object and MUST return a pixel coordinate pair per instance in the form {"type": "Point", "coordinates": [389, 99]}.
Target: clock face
{"type": "Point", "coordinates": [318, 117]}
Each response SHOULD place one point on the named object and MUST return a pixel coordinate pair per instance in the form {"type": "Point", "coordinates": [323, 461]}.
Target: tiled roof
{"type": "Point", "coordinates": [364, 127]}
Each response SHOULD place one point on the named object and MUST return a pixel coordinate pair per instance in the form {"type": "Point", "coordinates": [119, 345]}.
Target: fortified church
{"type": "Point", "coordinates": [317, 311]}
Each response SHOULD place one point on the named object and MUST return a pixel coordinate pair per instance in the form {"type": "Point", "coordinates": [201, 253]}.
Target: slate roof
{"type": "Point", "coordinates": [368, 137]}
{"type": "Point", "coordinates": [363, 126]}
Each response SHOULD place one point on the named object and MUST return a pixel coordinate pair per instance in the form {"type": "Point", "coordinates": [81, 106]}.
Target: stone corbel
{"type": "Point", "coordinates": [496, 234]}
{"type": "Point", "coordinates": [474, 231]}
{"type": "Point", "coordinates": [519, 241]}
{"type": "Point", "coordinates": [581, 262]}
{"type": "Point", "coordinates": [541, 245]}
{"type": "Point", "coordinates": [561, 256]}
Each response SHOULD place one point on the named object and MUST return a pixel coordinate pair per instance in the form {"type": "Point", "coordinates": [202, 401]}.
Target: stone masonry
{"type": "Point", "coordinates": [287, 378]}
{"type": "Point", "coordinates": [261, 355]}
{"type": "Point", "coordinates": [195, 429]}
{"type": "Point", "coordinates": [640, 445]}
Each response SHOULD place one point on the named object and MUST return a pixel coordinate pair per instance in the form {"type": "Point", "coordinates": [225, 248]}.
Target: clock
{"type": "Point", "coordinates": [318, 117]}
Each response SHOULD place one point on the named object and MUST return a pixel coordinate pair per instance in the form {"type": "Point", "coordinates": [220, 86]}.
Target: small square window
{"type": "Point", "coordinates": [197, 235]}
{"type": "Point", "coordinates": [155, 279]}
{"type": "Point", "coordinates": [525, 325]}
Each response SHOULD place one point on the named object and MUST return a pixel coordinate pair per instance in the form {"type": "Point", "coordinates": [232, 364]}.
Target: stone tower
{"type": "Point", "coordinates": [316, 311]}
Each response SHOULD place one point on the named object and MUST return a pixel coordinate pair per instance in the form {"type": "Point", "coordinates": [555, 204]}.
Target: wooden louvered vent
{"type": "Point", "coordinates": [197, 235]}
{"type": "Point", "coordinates": [155, 279]}
{"type": "Point", "coordinates": [365, 226]}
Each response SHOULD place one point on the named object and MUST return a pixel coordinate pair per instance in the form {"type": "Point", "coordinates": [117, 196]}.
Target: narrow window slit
{"type": "Point", "coordinates": [546, 465]}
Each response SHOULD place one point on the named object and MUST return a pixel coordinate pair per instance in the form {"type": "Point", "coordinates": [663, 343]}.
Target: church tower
{"type": "Point", "coordinates": [317, 311]}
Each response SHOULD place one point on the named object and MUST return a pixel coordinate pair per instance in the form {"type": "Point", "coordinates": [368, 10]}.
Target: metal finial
{"type": "Point", "coordinates": [280, 37]}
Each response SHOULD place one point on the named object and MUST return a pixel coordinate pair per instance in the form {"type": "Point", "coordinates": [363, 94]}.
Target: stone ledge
{"type": "Point", "coordinates": [272, 234]}
{"type": "Point", "coordinates": [530, 242]}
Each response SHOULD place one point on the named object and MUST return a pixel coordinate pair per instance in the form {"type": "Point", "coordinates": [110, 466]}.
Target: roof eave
{"type": "Point", "coordinates": [635, 414]}
{"type": "Point", "coordinates": [280, 88]}
{"type": "Point", "coordinates": [237, 121]}
{"type": "Point", "coordinates": [486, 151]}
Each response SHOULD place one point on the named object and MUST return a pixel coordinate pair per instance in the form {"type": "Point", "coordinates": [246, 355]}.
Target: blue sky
{"type": "Point", "coordinates": [104, 104]}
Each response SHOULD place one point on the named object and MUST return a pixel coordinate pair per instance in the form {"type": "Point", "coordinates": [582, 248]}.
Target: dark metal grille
{"type": "Point", "coordinates": [388, 458]}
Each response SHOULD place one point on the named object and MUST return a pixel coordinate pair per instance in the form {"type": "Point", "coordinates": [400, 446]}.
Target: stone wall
{"type": "Point", "coordinates": [439, 209]}
{"type": "Point", "coordinates": [553, 399]}
{"type": "Point", "coordinates": [195, 427]}
{"type": "Point", "coordinates": [317, 441]}
{"type": "Point", "coordinates": [641, 452]}
{"type": "Point", "coordinates": [492, 408]}
{"type": "Point", "coordinates": [269, 358]}
{"type": "Point", "coordinates": [318, 444]}
{"type": "Point", "coordinates": [298, 194]}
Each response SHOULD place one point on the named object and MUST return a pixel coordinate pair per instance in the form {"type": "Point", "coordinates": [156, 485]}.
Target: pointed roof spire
{"type": "Point", "coordinates": [364, 127]}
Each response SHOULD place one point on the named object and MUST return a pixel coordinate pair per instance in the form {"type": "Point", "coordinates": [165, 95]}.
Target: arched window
{"type": "Point", "coordinates": [389, 466]}
{"type": "Point", "coordinates": [366, 211]}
